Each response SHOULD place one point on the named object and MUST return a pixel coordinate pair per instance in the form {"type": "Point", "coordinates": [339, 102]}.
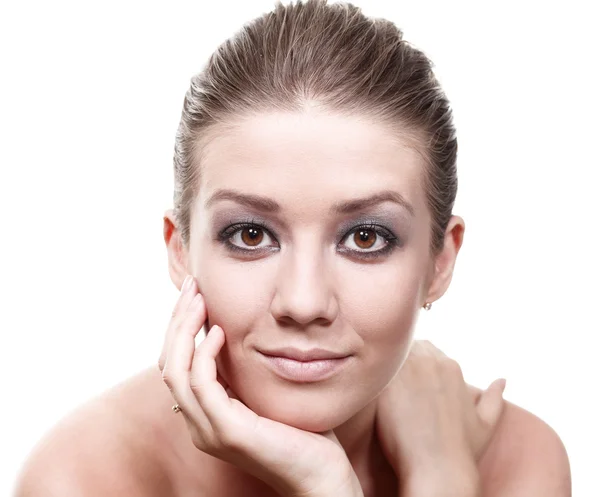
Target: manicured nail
{"type": "Point", "coordinates": [502, 384]}
{"type": "Point", "coordinates": [187, 283]}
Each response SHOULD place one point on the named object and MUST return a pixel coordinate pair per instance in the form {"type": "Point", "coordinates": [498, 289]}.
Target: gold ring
{"type": "Point", "coordinates": [176, 408]}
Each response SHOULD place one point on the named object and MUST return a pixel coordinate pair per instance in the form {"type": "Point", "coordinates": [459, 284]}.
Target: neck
{"type": "Point", "coordinates": [359, 440]}
{"type": "Point", "coordinates": [357, 434]}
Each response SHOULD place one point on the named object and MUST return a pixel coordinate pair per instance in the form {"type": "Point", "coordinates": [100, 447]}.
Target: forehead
{"type": "Point", "coordinates": [310, 156]}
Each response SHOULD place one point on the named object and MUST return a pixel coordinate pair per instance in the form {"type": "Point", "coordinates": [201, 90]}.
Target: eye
{"type": "Point", "coordinates": [369, 240]}
{"type": "Point", "coordinates": [365, 239]}
{"type": "Point", "coordinates": [249, 237]}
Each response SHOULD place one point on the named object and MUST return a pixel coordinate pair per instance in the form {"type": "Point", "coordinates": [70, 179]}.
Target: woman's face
{"type": "Point", "coordinates": [310, 235]}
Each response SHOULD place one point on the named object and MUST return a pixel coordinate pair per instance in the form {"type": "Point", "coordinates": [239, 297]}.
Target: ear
{"type": "Point", "coordinates": [444, 262]}
{"type": "Point", "coordinates": [177, 253]}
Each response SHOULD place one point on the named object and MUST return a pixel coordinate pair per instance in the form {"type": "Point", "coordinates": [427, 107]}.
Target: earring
{"type": "Point", "coordinates": [427, 306]}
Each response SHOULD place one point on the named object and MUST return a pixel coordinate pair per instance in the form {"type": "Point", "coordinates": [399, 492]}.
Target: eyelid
{"type": "Point", "coordinates": [392, 241]}
{"type": "Point", "coordinates": [235, 222]}
{"type": "Point", "coordinates": [368, 223]}
{"type": "Point", "coordinates": [381, 231]}
{"type": "Point", "coordinates": [235, 227]}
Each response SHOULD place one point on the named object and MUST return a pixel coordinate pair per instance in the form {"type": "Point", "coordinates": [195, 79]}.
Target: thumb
{"type": "Point", "coordinates": [491, 404]}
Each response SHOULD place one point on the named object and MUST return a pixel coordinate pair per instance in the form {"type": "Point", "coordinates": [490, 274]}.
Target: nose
{"type": "Point", "coordinates": [304, 292]}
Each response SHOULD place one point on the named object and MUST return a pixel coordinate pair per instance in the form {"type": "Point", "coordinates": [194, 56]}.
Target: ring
{"type": "Point", "coordinates": [176, 408]}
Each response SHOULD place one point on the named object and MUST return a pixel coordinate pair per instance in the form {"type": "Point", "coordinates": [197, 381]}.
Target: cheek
{"type": "Point", "coordinates": [236, 293]}
{"type": "Point", "coordinates": [384, 311]}
{"type": "Point", "coordinates": [384, 298]}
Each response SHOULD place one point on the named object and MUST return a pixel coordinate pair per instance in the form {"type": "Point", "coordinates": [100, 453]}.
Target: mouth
{"type": "Point", "coordinates": [304, 366]}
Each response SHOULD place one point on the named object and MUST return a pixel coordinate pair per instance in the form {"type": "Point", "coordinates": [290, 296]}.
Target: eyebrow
{"type": "Point", "coordinates": [350, 206]}
{"type": "Point", "coordinates": [266, 204]}
{"type": "Point", "coordinates": [256, 201]}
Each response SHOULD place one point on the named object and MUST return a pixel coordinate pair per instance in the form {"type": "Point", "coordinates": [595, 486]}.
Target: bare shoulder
{"type": "Point", "coordinates": [526, 457]}
{"type": "Point", "coordinates": [106, 447]}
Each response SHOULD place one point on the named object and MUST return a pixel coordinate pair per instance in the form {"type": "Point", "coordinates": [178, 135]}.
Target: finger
{"type": "Point", "coordinates": [475, 393]}
{"type": "Point", "coordinates": [436, 351]}
{"type": "Point", "coordinates": [203, 377]}
{"type": "Point", "coordinates": [181, 349]}
{"type": "Point", "coordinates": [185, 297]}
{"type": "Point", "coordinates": [222, 381]}
{"type": "Point", "coordinates": [424, 348]}
{"type": "Point", "coordinates": [176, 373]}
{"type": "Point", "coordinates": [491, 404]}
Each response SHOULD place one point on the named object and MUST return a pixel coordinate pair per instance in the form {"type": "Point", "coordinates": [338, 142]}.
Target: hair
{"type": "Point", "coordinates": [334, 56]}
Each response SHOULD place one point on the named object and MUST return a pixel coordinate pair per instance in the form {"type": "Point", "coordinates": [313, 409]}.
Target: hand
{"type": "Point", "coordinates": [432, 429]}
{"type": "Point", "coordinates": [294, 462]}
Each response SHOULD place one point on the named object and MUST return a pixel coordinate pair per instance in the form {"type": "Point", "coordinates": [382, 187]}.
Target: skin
{"type": "Point", "coordinates": [309, 284]}
{"type": "Point", "coordinates": [299, 288]}
{"type": "Point", "coordinates": [305, 289]}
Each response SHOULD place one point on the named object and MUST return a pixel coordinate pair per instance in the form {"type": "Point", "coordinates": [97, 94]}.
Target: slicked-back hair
{"type": "Point", "coordinates": [331, 55]}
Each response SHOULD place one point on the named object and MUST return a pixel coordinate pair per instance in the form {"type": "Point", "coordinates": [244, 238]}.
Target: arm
{"type": "Point", "coordinates": [444, 438]}
{"type": "Point", "coordinates": [82, 456]}
{"type": "Point", "coordinates": [526, 458]}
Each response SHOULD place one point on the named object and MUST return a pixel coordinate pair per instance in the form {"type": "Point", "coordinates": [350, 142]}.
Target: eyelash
{"type": "Point", "coordinates": [391, 240]}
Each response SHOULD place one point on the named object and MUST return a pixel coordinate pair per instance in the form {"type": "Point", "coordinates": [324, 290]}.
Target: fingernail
{"type": "Point", "coordinates": [502, 384]}
{"type": "Point", "coordinates": [187, 283]}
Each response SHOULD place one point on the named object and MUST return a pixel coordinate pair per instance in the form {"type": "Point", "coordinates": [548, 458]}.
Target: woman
{"type": "Point", "coordinates": [315, 176]}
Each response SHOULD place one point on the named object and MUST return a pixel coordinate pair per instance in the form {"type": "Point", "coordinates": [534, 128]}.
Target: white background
{"type": "Point", "coordinates": [91, 94]}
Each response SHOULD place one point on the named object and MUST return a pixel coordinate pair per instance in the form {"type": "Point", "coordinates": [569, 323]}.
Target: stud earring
{"type": "Point", "coordinates": [427, 306]}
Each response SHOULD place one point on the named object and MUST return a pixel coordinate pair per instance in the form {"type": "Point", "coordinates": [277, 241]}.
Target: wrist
{"type": "Point", "coordinates": [443, 480]}
{"type": "Point", "coordinates": [346, 485]}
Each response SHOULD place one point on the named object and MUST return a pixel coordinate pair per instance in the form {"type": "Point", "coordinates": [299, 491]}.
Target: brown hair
{"type": "Point", "coordinates": [337, 57]}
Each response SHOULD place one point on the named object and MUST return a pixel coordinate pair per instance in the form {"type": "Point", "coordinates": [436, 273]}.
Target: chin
{"type": "Point", "coordinates": [317, 406]}
{"type": "Point", "coordinates": [314, 420]}
{"type": "Point", "coordinates": [314, 408]}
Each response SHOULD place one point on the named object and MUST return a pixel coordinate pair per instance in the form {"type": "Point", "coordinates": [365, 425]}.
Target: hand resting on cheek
{"type": "Point", "coordinates": [431, 428]}
{"type": "Point", "coordinates": [292, 461]}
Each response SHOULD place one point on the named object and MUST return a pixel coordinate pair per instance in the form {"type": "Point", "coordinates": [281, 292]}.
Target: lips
{"type": "Point", "coordinates": [304, 366]}
{"type": "Point", "coordinates": [300, 355]}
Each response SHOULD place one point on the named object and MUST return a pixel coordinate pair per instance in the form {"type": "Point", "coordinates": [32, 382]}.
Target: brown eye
{"type": "Point", "coordinates": [368, 240]}
{"type": "Point", "coordinates": [252, 236]}
{"type": "Point", "coordinates": [365, 238]}
{"type": "Point", "coordinates": [249, 237]}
